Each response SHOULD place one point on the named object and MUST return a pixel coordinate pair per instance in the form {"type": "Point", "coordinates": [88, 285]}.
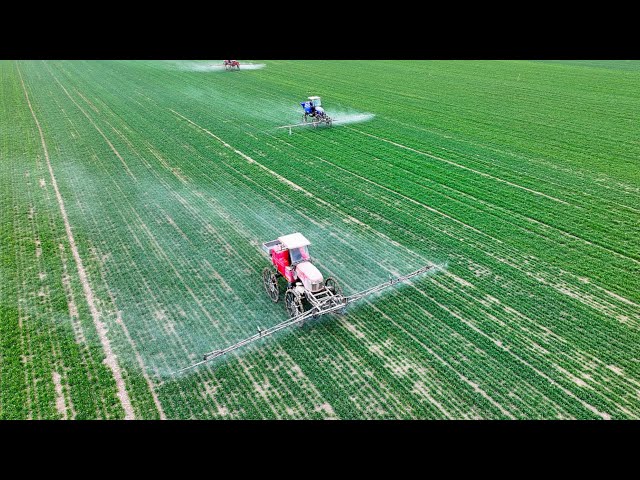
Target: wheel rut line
{"type": "Point", "coordinates": [110, 357]}
{"type": "Point", "coordinates": [141, 364]}
{"type": "Point", "coordinates": [478, 172]}
{"type": "Point", "coordinates": [522, 360]}
{"type": "Point", "coordinates": [513, 155]}
{"type": "Point", "coordinates": [431, 209]}
{"type": "Point", "coordinates": [465, 379]}
{"type": "Point", "coordinates": [299, 188]}
{"type": "Point", "coordinates": [430, 155]}
{"type": "Point", "coordinates": [126, 167]}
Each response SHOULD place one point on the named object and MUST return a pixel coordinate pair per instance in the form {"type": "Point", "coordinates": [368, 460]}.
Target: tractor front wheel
{"type": "Point", "coordinates": [332, 285]}
{"type": "Point", "coordinates": [293, 302]}
{"type": "Point", "coordinates": [270, 282]}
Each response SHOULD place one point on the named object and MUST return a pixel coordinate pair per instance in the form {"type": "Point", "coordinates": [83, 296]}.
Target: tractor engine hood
{"type": "Point", "coordinates": [310, 276]}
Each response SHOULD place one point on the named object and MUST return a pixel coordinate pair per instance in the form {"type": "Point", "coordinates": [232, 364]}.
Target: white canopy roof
{"type": "Point", "coordinates": [313, 98]}
{"type": "Point", "coordinates": [294, 240]}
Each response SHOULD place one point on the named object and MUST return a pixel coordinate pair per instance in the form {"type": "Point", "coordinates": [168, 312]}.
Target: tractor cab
{"type": "Point", "coordinates": [315, 101]}
{"type": "Point", "coordinates": [290, 255]}
{"type": "Point", "coordinates": [314, 112]}
{"type": "Point", "coordinates": [296, 244]}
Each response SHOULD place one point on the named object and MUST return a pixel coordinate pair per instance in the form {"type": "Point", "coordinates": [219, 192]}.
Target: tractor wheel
{"type": "Point", "coordinates": [293, 302]}
{"type": "Point", "coordinates": [332, 286]}
{"type": "Point", "coordinates": [270, 282]}
{"type": "Point", "coordinates": [329, 121]}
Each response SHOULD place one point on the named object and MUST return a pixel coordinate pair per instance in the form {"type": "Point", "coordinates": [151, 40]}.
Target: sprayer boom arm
{"type": "Point", "coordinates": [338, 303]}
{"type": "Point", "coordinates": [388, 283]}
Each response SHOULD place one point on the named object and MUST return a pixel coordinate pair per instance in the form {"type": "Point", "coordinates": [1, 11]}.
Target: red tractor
{"type": "Point", "coordinates": [290, 257]}
{"type": "Point", "coordinates": [231, 64]}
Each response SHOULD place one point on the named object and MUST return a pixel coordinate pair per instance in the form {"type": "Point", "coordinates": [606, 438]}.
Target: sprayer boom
{"type": "Point", "coordinates": [329, 303]}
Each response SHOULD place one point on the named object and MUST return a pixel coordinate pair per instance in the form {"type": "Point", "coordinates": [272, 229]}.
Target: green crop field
{"type": "Point", "coordinates": [134, 197]}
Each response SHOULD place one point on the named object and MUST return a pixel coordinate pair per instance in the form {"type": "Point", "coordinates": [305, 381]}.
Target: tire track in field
{"type": "Point", "coordinates": [299, 188]}
{"type": "Point", "coordinates": [519, 157]}
{"type": "Point", "coordinates": [126, 167]}
{"type": "Point", "coordinates": [141, 364]}
{"type": "Point", "coordinates": [101, 329]}
{"type": "Point", "coordinates": [484, 174]}
{"type": "Point", "coordinates": [119, 320]}
{"type": "Point", "coordinates": [57, 363]}
{"type": "Point", "coordinates": [102, 408]}
{"type": "Point", "coordinates": [101, 402]}
{"type": "Point", "coordinates": [130, 227]}
{"type": "Point", "coordinates": [435, 157]}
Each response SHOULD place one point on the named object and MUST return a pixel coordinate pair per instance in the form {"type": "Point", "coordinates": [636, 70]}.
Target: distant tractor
{"type": "Point", "coordinates": [231, 64]}
{"type": "Point", "coordinates": [314, 113]}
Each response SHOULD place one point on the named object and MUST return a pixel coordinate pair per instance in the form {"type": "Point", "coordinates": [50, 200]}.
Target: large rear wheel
{"type": "Point", "coordinates": [293, 302]}
{"type": "Point", "coordinates": [270, 282]}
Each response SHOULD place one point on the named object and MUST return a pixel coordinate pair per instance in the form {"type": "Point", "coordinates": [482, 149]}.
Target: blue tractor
{"type": "Point", "coordinates": [314, 113]}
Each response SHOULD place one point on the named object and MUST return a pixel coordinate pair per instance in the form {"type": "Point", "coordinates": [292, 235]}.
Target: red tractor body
{"type": "Point", "coordinates": [281, 259]}
{"type": "Point", "coordinates": [288, 253]}
{"type": "Point", "coordinates": [231, 64]}
{"type": "Point", "coordinates": [290, 257]}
